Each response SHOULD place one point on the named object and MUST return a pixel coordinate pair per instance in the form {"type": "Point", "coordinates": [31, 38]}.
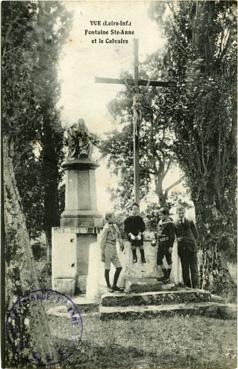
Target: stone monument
{"type": "Point", "coordinates": [134, 277]}
{"type": "Point", "coordinates": [80, 220]}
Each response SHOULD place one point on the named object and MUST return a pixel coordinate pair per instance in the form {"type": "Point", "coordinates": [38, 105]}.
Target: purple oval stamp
{"type": "Point", "coordinates": [18, 320]}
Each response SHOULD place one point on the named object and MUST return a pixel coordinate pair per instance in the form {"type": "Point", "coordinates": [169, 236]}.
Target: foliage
{"type": "Point", "coordinates": [155, 139]}
{"type": "Point", "coordinates": [202, 53]}
{"type": "Point", "coordinates": [32, 33]}
{"type": "Point", "coordinates": [198, 120]}
{"type": "Point", "coordinates": [152, 215]}
{"type": "Point", "coordinates": [151, 211]}
{"type": "Point", "coordinates": [32, 36]}
{"type": "Point", "coordinates": [21, 275]}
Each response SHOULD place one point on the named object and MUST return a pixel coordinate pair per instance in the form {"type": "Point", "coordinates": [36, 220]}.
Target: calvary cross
{"type": "Point", "coordinates": [137, 116]}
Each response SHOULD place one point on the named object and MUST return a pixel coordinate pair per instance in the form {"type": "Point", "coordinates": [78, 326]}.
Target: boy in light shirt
{"type": "Point", "coordinates": [109, 237]}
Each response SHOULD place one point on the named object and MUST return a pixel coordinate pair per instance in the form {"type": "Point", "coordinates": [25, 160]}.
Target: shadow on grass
{"type": "Point", "coordinates": [88, 356]}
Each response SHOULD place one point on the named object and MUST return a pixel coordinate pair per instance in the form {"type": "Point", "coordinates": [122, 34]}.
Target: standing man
{"type": "Point", "coordinates": [109, 236]}
{"type": "Point", "coordinates": [165, 236]}
{"type": "Point", "coordinates": [134, 228]}
{"type": "Point", "coordinates": [187, 234]}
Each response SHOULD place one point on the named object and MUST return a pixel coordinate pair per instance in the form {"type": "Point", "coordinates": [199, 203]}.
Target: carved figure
{"type": "Point", "coordinates": [79, 141]}
{"type": "Point", "coordinates": [137, 100]}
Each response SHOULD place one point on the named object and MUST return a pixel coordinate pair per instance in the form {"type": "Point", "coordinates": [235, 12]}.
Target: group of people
{"type": "Point", "coordinates": [167, 230]}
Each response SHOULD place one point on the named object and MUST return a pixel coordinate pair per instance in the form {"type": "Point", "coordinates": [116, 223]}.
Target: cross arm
{"type": "Point", "coordinates": [131, 82]}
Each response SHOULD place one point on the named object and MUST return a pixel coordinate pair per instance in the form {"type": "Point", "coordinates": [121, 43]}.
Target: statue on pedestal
{"type": "Point", "coordinates": [79, 141]}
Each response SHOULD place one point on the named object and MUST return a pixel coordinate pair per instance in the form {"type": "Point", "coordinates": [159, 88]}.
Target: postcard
{"type": "Point", "coordinates": [119, 184]}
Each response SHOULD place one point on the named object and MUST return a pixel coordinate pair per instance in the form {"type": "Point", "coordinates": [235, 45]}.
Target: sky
{"type": "Point", "coordinates": [83, 60]}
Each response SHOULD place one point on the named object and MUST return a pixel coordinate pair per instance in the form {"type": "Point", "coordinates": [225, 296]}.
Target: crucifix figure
{"type": "Point", "coordinates": [137, 111]}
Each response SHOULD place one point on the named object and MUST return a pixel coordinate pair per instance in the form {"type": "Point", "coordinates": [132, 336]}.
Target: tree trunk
{"type": "Point", "coordinates": [51, 197]}
{"type": "Point", "coordinates": [162, 196]}
{"type": "Point", "coordinates": [213, 241]}
{"type": "Point", "coordinates": [21, 276]}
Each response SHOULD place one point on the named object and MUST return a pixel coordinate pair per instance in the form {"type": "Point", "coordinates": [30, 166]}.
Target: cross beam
{"type": "Point", "coordinates": [137, 115]}
{"type": "Point", "coordinates": [131, 82]}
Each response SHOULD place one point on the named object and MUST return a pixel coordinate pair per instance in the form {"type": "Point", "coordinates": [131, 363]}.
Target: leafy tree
{"type": "Point", "coordinates": [21, 276]}
{"type": "Point", "coordinates": [201, 51]}
{"type": "Point", "coordinates": [31, 46]}
{"type": "Point", "coordinates": [155, 136]}
{"type": "Point", "coordinates": [31, 36]}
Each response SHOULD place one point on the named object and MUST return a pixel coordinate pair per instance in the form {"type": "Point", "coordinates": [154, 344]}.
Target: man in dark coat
{"type": "Point", "coordinates": [187, 234]}
{"type": "Point", "coordinates": [134, 228]}
{"type": "Point", "coordinates": [165, 236]}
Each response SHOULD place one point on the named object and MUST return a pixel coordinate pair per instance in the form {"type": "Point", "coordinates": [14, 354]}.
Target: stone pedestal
{"type": "Point", "coordinates": [79, 226]}
{"type": "Point", "coordinates": [80, 195]}
{"type": "Point", "coordinates": [94, 272]}
{"type": "Point", "coordinates": [96, 285]}
{"type": "Point", "coordinates": [70, 250]}
{"type": "Point", "coordinates": [138, 276]}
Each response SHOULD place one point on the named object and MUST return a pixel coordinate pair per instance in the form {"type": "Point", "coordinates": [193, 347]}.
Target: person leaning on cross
{"type": "Point", "coordinates": [165, 236]}
{"type": "Point", "coordinates": [134, 228]}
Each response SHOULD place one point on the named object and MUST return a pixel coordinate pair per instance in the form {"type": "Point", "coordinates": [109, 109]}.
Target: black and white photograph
{"type": "Point", "coordinates": [119, 184]}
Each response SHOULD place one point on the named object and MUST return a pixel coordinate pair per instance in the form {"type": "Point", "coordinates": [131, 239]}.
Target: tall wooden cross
{"type": "Point", "coordinates": [137, 114]}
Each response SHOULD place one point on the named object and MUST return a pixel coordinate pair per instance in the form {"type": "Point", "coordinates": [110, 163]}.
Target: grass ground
{"type": "Point", "coordinates": [165, 342]}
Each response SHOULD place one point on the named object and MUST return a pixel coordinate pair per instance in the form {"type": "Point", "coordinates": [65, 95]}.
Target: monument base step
{"type": "Point", "coordinates": [167, 297]}
{"type": "Point", "coordinates": [208, 309]}
{"type": "Point", "coordinates": [83, 304]}
{"type": "Point", "coordinates": [146, 285]}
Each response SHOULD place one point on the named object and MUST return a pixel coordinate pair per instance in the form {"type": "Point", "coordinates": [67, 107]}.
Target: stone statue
{"type": "Point", "coordinates": [79, 141]}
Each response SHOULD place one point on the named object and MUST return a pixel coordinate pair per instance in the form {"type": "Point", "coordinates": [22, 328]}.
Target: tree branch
{"type": "Point", "coordinates": [174, 184]}
{"type": "Point", "coordinates": [168, 166]}
{"type": "Point", "coordinates": [223, 52]}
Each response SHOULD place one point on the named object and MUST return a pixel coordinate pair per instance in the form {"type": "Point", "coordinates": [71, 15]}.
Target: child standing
{"type": "Point", "coordinates": [109, 237]}
{"type": "Point", "coordinates": [134, 228]}
{"type": "Point", "coordinates": [166, 236]}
